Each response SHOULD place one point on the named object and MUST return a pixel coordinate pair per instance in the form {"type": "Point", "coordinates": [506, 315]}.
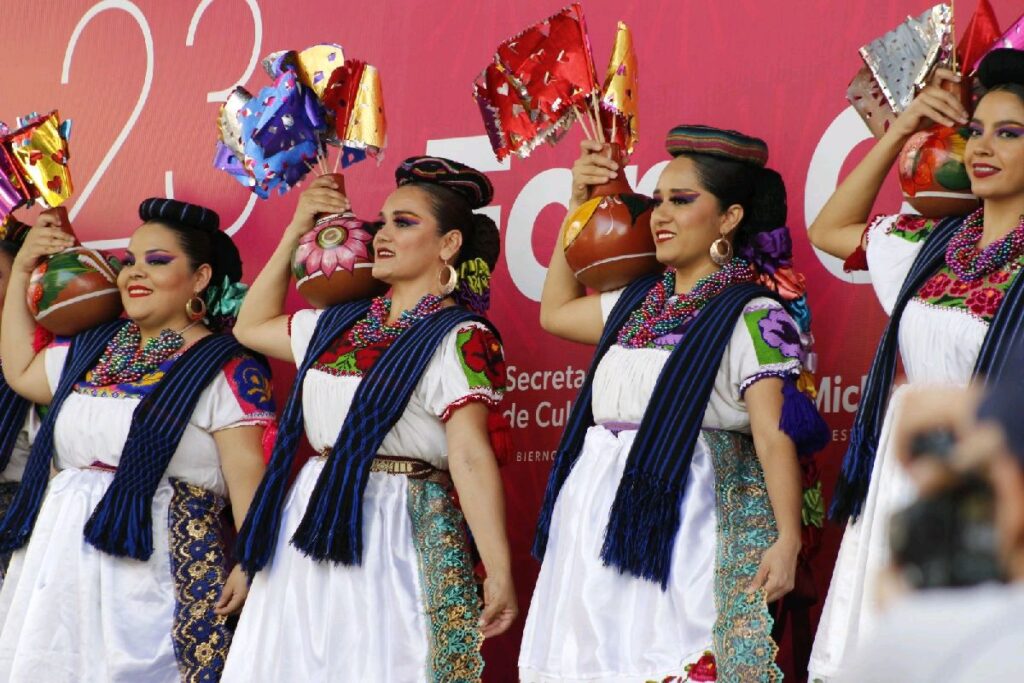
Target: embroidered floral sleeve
{"type": "Point", "coordinates": [892, 245]}
{"type": "Point", "coordinates": [242, 395]}
{"type": "Point", "coordinates": [474, 371]}
{"type": "Point", "coordinates": [910, 227]}
{"type": "Point", "coordinates": [774, 348]}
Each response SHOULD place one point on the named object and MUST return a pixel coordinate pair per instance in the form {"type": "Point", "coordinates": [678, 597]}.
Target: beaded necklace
{"type": "Point", "coordinates": [662, 311]}
{"type": "Point", "coordinates": [123, 361]}
{"type": "Point", "coordinates": [373, 329]}
{"type": "Point", "coordinates": [970, 263]}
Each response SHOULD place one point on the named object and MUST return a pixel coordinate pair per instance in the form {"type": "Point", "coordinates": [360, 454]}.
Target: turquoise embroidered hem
{"type": "Point", "coordinates": [449, 588]}
{"type": "Point", "coordinates": [742, 634]}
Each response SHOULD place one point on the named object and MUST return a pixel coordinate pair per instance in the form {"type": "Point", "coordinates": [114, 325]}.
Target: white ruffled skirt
{"type": "Point", "coordinates": [588, 622]}
{"type": "Point", "coordinates": [71, 613]}
{"type": "Point", "coordinates": [851, 608]}
{"type": "Point", "coordinates": [306, 620]}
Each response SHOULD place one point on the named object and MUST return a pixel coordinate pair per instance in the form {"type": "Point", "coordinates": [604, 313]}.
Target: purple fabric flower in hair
{"type": "Point", "coordinates": [770, 250]}
{"type": "Point", "coordinates": [477, 302]}
{"type": "Point", "coordinates": [779, 332]}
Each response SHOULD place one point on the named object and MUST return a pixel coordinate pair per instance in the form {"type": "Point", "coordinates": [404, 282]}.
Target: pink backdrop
{"type": "Point", "coordinates": [142, 82]}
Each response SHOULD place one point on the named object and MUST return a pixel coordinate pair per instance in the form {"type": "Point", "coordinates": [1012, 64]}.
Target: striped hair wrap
{"type": "Point", "coordinates": [189, 215]}
{"type": "Point", "coordinates": [726, 144]}
{"type": "Point", "coordinates": [467, 182]}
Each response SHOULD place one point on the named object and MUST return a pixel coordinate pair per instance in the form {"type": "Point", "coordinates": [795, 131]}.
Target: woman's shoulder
{"type": "Point", "coordinates": [247, 377]}
{"type": "Point", "coordinates": [904, 226]}
{"type": "Point", "coordinates": [768, 328]}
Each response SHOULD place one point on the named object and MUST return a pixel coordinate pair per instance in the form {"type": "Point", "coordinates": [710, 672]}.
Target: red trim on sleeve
{"type": "Point", "coordinates": [489, 401]}
{"type": "Point", "coordinates": [41, 338]}
{"type": "Point", "coordinates": [858, 260]}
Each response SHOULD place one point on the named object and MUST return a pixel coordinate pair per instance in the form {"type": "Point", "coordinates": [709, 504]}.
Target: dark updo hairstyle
{"type": "Point", "coordinates": [731, 166]}
{"type": "Point", "coordinates": [9, 248]}
{"type": "Point", "coordinates": [12, 234]}
{"type": "Point", "coordinates": [1002, 70]}
{"type": "Point", "coordinates": [760, 191]}
{"type": "Point", "coordinates": [480, 237]}
{"type": "Point", "coordinates": [198, 231]}
{"type": "Point", "coordinates": [455, 191]}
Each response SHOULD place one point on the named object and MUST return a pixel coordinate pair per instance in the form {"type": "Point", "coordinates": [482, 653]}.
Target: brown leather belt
{"type": "Point", "coordinates": [408, 467]}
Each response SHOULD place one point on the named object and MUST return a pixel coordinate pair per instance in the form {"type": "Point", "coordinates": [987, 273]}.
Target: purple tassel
{"type": "Point", "coordinates": [476, 302]}
{"type": "Point", "coordinates": [802, 422]}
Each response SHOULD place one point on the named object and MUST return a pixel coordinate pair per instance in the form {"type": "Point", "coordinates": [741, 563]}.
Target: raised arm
{"type": "Point", "coordinates": [23, 368]}
{"type": "Point", "coordinates": [566, 310]}
{"type": "Point", "coordinates": [839, 228]}
{"type": "Point", "coordinates": [262, 324]}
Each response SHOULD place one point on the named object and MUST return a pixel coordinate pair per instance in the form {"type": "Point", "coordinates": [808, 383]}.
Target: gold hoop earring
{"type": "Point", "coordinates": [195, 311]}
{"type": "Point", "coordinates": [721, 251]}
{"type": "Point", "coordinates": [447, 287]}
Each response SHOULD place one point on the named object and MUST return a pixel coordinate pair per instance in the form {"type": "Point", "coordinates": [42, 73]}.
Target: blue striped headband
{"type": "Point", "coordinates": [190, 215]}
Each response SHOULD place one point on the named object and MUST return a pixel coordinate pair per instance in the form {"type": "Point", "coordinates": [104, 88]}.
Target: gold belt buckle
{"type": "Point", "coordinates": [394, 465]}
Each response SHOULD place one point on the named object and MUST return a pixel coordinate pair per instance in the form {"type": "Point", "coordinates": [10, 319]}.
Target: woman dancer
{"type": "Point", "coordinates": [673, 510]}
{"type": "Point", "coordinates": [154, 420]}
{"type": "Point", "coordinates": [952, 293]}
{"type": "Point", "coordinates": [366, 570]}
{"type": "Point", "coordinates": [18, 422]}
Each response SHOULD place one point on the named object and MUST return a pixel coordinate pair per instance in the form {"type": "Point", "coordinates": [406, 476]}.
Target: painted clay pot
{"type": "Point", "coordinates": [932, 172]}
{"type": "Point", "coordinates": [933, 175]}
{"type": "Point", "coordinates": [333, 262]}
{"type": "Point", "coordinates": [607, 240]}
{"type": "Point", "coordinates": [74, 290]}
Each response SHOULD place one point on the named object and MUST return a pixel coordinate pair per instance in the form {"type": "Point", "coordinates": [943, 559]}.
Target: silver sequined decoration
{"type": "Point", "coordinates": [902, 59]}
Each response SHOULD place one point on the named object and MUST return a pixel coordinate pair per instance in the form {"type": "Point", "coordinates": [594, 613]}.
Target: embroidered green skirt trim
{"type": "Point", "coordinates": [742, 634]}
{"type": "Point", "coordinates": [449, 586]}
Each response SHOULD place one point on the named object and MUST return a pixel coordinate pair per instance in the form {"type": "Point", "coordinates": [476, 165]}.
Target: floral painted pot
{"type": "Point", "coordinates": [933, 175]}
{"type": "Point", "coordinates": [334, 262]}
{"type": "Point", "coordinates": [607, 240]}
